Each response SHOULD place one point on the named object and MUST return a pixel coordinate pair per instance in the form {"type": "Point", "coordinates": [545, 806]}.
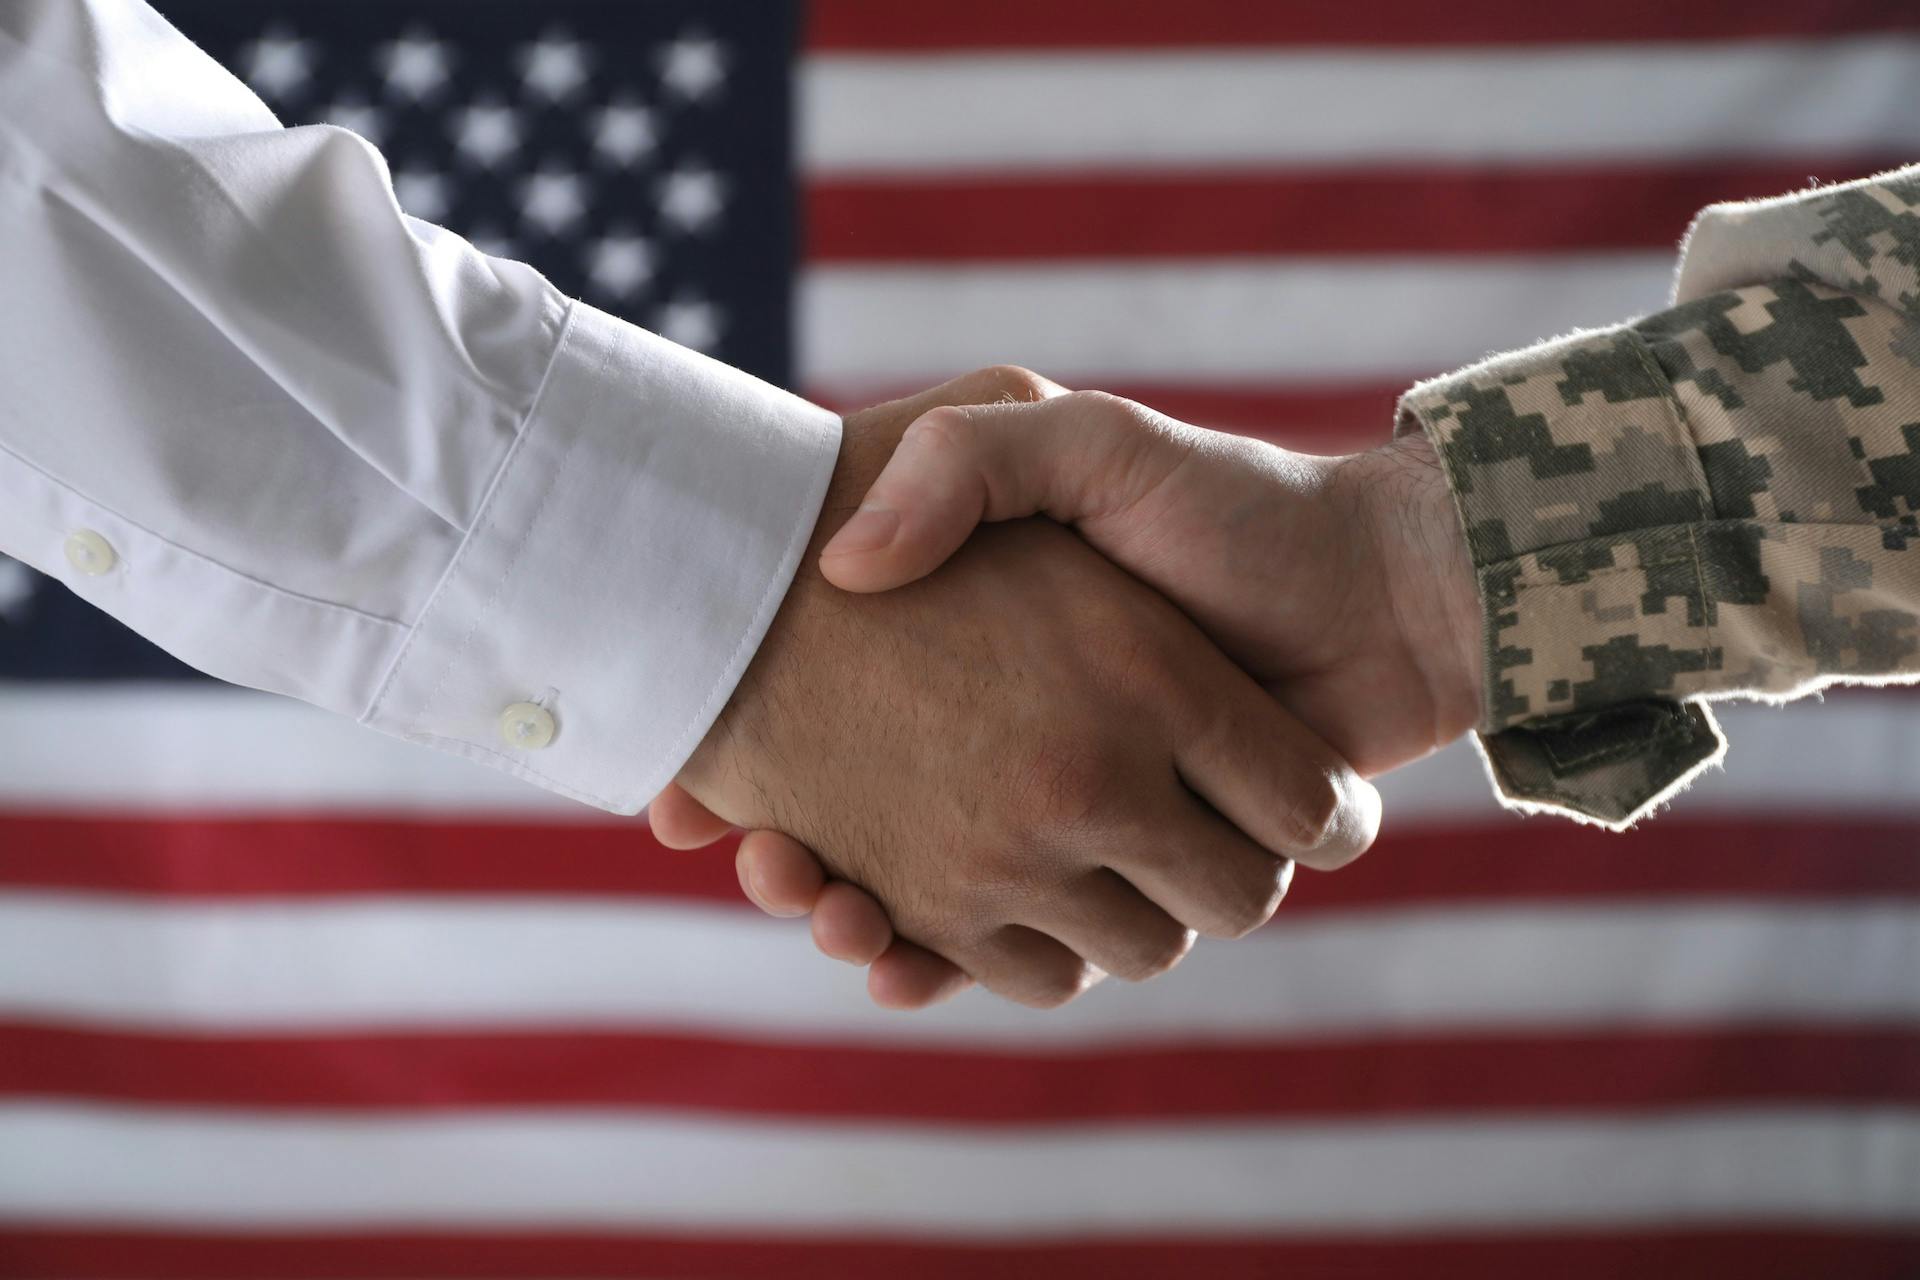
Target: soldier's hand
{"type": "Point", "coordinates": [1342, 584]}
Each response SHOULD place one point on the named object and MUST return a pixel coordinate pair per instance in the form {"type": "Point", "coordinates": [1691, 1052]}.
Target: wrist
{"type": "Point", "coordinates": [1430, 576]}
{"type": "Point", "coordinates": [809, 626]}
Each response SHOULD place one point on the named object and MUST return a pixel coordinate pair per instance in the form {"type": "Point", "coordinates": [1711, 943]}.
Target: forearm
{"type": "Point", "coordinates": [394, 477]}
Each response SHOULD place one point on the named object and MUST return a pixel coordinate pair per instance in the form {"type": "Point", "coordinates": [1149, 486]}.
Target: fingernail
{"type": "Point", "coordinates": [758, 892]}
{"type": "Point", "coordinates": [870, 529]}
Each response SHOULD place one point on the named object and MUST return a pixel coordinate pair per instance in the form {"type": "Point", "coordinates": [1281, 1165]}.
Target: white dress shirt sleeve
{"type": "Point", "coordinates": [309, 444]}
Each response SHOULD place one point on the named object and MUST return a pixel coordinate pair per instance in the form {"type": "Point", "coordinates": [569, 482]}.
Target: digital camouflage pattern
{"type": "Point", "coordinates": [1722, 498]}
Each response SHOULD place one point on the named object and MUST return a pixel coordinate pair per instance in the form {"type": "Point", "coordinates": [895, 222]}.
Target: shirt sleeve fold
{"type": "Point", "coordinates": [310, 444]}
{"type": "Point", "coordinates": [623, 568]}
{"type": "Point", "coordinates": [1717, 500]}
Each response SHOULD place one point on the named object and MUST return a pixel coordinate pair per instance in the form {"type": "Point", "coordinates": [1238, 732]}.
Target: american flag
{"type": "Point", "coordinates": [282, 998]}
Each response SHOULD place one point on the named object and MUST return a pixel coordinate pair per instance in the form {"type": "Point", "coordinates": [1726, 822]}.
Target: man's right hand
{"type": "Point", "coordinates": [1039, 767]}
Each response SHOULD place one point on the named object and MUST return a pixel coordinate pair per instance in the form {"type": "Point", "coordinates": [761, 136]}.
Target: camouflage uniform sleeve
{"type": "Point", "coordinates": [1717, 500]}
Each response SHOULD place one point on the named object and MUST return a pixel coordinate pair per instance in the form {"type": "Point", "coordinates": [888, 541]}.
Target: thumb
{"type": "Point", "coordinates": [1070, 457]}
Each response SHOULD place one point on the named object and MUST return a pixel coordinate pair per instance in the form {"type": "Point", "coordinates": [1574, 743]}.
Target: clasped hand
{"type": "Point", "coordinates": [1064, 756]}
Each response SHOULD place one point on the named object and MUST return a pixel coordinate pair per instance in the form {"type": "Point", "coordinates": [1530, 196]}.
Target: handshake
{"type": "Point", "coordinates": [1091, 736]}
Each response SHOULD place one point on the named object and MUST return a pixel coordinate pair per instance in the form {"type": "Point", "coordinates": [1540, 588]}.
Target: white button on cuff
{"type": "Point", "coordinates": [91, 554]}
{"type": "Point", "coordinates": [526, 726]}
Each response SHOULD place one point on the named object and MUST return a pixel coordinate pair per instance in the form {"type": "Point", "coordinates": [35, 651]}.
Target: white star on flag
{"type": "Point", "coordinates": [553, 200]}
{"type": "Point", "coordinates": [690, 199]}
{"type": "Point", "coordinates": [357, 115]}
{"type": "Point", "coordinates": [277, 64]}
{"type": "Point", "coordinates": [620, 263]}
{"type": "Point", "coordinates": [16, 588]}
{"type": "Point", "coordinates": [554, 67]}
{"type": "Point", "coordinates": [422, 193]}
{"type": "Point", "coordinates": [693, 67]}
{"type": "Point", "coordinates": [487, 133]}
{"type": "Point", "coordinates": [416, 66]}
{"type": "Point", "coordinates": [691, 322]}
{"type": "Point", "coordinates": [623, 132]}
{"type": "Point", "coordinates": [491, 241]}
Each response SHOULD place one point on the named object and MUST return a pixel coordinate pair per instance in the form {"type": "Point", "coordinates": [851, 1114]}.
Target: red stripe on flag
{"type": "Point", "coordinates": [1750, 1252]}
{"type": "Point", "coordinates": [862, 26]}
{"type": "Point", "coordinates": [1386, 1075]}
{"type": "Point", "coordinates": [324, 855]}
{"type": "Point", "coordinates": [1785, 857]}
{"type": "Point", "coordinates": [998, 217]}
{"type": "Point", "coordinates": [1676, 858]}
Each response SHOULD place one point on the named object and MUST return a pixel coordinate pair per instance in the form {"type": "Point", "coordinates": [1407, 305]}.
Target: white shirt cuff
{"type": "Point", "coordinates": [624, 568]}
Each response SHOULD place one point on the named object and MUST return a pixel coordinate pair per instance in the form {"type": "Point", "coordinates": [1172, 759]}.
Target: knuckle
{"type": "Point", "coordinates": [1151, 957]}
{"type": "Point", "coordinates": [1099, 402]}
{"type": "Point", "coordinates": [1056, 987]}
{"type": "Point", "coordinates": [946, 428]}
{"type": "Point", "coordinates": [951, 932]}
{"type": "Point", "coordinates": [1252, 901]}
{"type": "Point", "coordinates": [997, 873]}
{"type": "Point", "coordinates": [1350, 829]}
{"type": "Point", "coordinates": [1141, 422]}
{"type": "Point", "coordinates": [1015, 382]}
{"type": "Point", "coordinates": [1314, 801]}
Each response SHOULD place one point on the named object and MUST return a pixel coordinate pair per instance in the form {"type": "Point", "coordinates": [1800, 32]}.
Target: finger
{"type": "Point", "coordinates": [1275, 779]}
{"type": "Point", "coordinates": [1073, 457]}
{"type": "Point", "coordinates": [996, 384]}
{"type": "Point", "coordinates": [681, 822]}
{"type": "Point", "coordinates": [849, 925]}
{"type": "Point", "coordinates": [927, 500]}
{"type": "Point", "coordinates": [1116, 927]}
{"type": "Point", "coordinates": [1199, 869]}
{"type": "Point", "coordinates": [1027, 967]}
{"type": "Point", "coordinates": [908, 976]}
{"type": "Point", "coordinates": [778, 873]}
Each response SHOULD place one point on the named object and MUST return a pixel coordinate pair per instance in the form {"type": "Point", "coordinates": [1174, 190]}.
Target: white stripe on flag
{"type": "Point", "coordinates": [508, 963]}
{"type": "Point", "coordinates": [202, 1168]}
{"type": "Point", "coordinates": [212, 749]}
{"type": "Point", "coordinates": [1324, 107]}
{"type": "Point", "coordinates": [1261, 320]}
{"type": "Point", "coordinates": [203, 747]}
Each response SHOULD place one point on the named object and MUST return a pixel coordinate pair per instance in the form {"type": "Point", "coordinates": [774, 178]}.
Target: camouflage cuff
{"type": "Point", "coordinates": [1585, 506]}
{"type": "Point", "coordinates": [1721, 498]}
